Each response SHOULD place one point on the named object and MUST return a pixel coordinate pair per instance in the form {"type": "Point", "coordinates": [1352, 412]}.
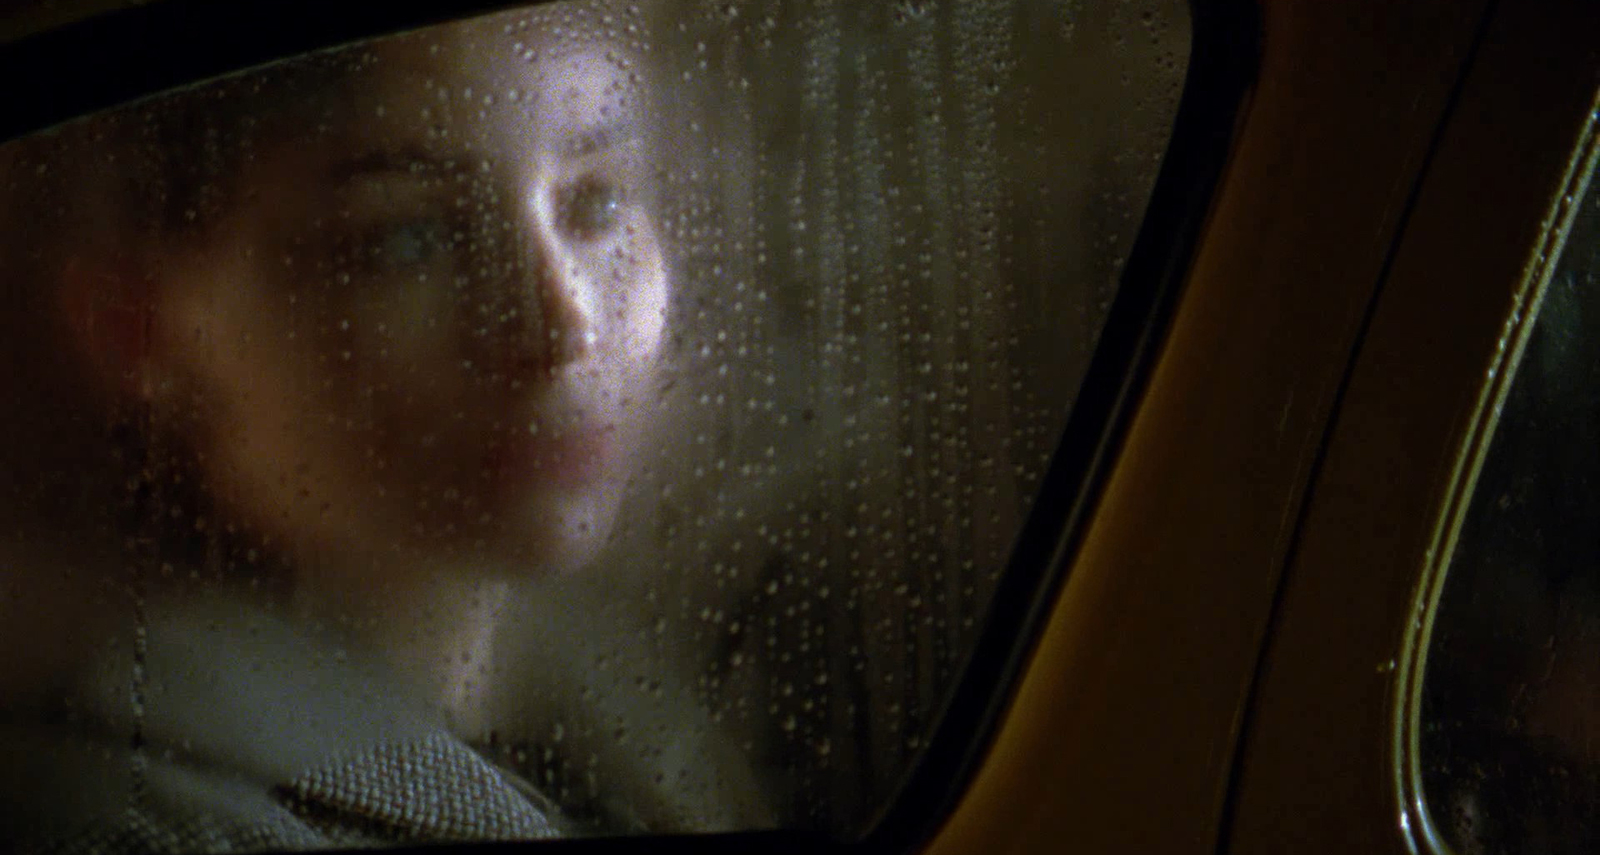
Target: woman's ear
{"type": "Point", "coordinates": [110, 313]}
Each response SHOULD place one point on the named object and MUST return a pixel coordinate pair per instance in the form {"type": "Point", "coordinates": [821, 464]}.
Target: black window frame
{"type": "Point", "coordinates": [143, 50]}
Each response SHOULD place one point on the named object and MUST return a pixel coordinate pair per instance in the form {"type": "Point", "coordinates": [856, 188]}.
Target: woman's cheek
{"type": "Point", "coordinates": [408, 348]}
{"type": "Point", "coordinates": [640, 280]}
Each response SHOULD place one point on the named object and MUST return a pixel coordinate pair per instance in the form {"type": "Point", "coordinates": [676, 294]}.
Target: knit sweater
{"type": "Point", "coordinates": [215, 728]}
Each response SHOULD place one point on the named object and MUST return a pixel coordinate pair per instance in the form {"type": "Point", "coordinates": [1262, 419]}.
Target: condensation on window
{"type": "Point", "coordinates": [597, 418]}
{"type": "Point", "coordinates": [1509, 744]}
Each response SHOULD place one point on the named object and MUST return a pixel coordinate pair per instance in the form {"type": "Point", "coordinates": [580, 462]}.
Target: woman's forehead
{"type": "Point", "coordinates": [479, 77]}
{"type": "Point", "coordinates": [507, 94]}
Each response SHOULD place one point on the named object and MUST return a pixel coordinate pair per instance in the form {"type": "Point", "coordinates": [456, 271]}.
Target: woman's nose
{"type": "Point", "coordinates": [564, 300]}
{"type": "Point", "coordinates": [553, 318]}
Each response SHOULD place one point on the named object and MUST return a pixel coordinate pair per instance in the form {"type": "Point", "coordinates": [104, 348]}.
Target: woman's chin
{"type": "Point", "coordinates": [554, 533]}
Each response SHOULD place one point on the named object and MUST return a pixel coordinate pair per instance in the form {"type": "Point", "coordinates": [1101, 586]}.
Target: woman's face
{"type": "Point", "coordinates": [428, 326]}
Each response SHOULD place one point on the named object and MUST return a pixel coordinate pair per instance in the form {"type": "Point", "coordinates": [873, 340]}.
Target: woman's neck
{"type": "Point", "coordinates": [436, 627]}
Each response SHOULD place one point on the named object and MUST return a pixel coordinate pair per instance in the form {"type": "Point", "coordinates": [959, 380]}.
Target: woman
{"type": "Point", "coordinates": [378, 335]}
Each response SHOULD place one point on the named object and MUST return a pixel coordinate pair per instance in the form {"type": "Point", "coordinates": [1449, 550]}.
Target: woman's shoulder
{"type": "Point", "coordinates": [71, 790]}
{"type": "Point", "coordinates": [72, 785]}
{"type": "Point", "coordinates": [227, 729]}
{"type": "Point", "coordinates": [68, 792]}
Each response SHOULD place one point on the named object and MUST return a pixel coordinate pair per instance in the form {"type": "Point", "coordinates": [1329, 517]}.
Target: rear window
{"type": "Point", "coordinates": [596, 418]}
{"type": "Point", "coordinates": [1507, 745]}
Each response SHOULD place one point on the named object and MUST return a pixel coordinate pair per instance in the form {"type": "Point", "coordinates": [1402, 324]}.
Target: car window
{"type": "Point", "coordinates": [596, 418]}
{"type": "Point", "coordinates": [1507, 738]}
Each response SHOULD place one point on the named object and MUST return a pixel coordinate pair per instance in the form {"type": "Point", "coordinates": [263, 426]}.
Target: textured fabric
{"type": "Point", "coordinates": [434, 788]}
{"type": "Point", "coordinates": [141, 833]}
{"type": "Point", "coordinates": [431, 790]}
{"type": "Point", "coordinates": [239, 732]}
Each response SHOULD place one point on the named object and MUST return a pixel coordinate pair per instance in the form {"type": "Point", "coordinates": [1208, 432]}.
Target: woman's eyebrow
{"type": "Point", "coordinates": [598, 138]}
{"type": "Point", "coordinates": [388, 162]}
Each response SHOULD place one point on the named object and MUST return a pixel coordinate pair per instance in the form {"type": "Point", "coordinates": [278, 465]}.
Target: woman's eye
{"type": "Point", "coordinates": [405, 245]}
{"type": "Point", "coordinates": [590, 208]}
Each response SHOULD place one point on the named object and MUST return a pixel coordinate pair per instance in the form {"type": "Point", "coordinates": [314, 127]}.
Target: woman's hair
{"type": "Point", "coordinates": [100, 202]}
{"type": "Point", "coordinates": [111, 197]}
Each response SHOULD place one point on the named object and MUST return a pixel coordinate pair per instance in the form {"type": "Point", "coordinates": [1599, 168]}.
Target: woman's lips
{"type": "Point", "coordinates": [571, 457]}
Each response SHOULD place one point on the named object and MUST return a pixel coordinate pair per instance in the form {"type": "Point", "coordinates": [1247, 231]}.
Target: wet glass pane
{"type": "Point", "coordinates": [596, 418]}
{"type": "Point", "coordinates": [1511, 704]}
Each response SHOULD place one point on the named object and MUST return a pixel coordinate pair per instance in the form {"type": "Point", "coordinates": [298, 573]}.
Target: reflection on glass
{"type": "Point", "coordinates": [1509, 749]}
{"type": "Point", "coordinates": [598, 418]}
